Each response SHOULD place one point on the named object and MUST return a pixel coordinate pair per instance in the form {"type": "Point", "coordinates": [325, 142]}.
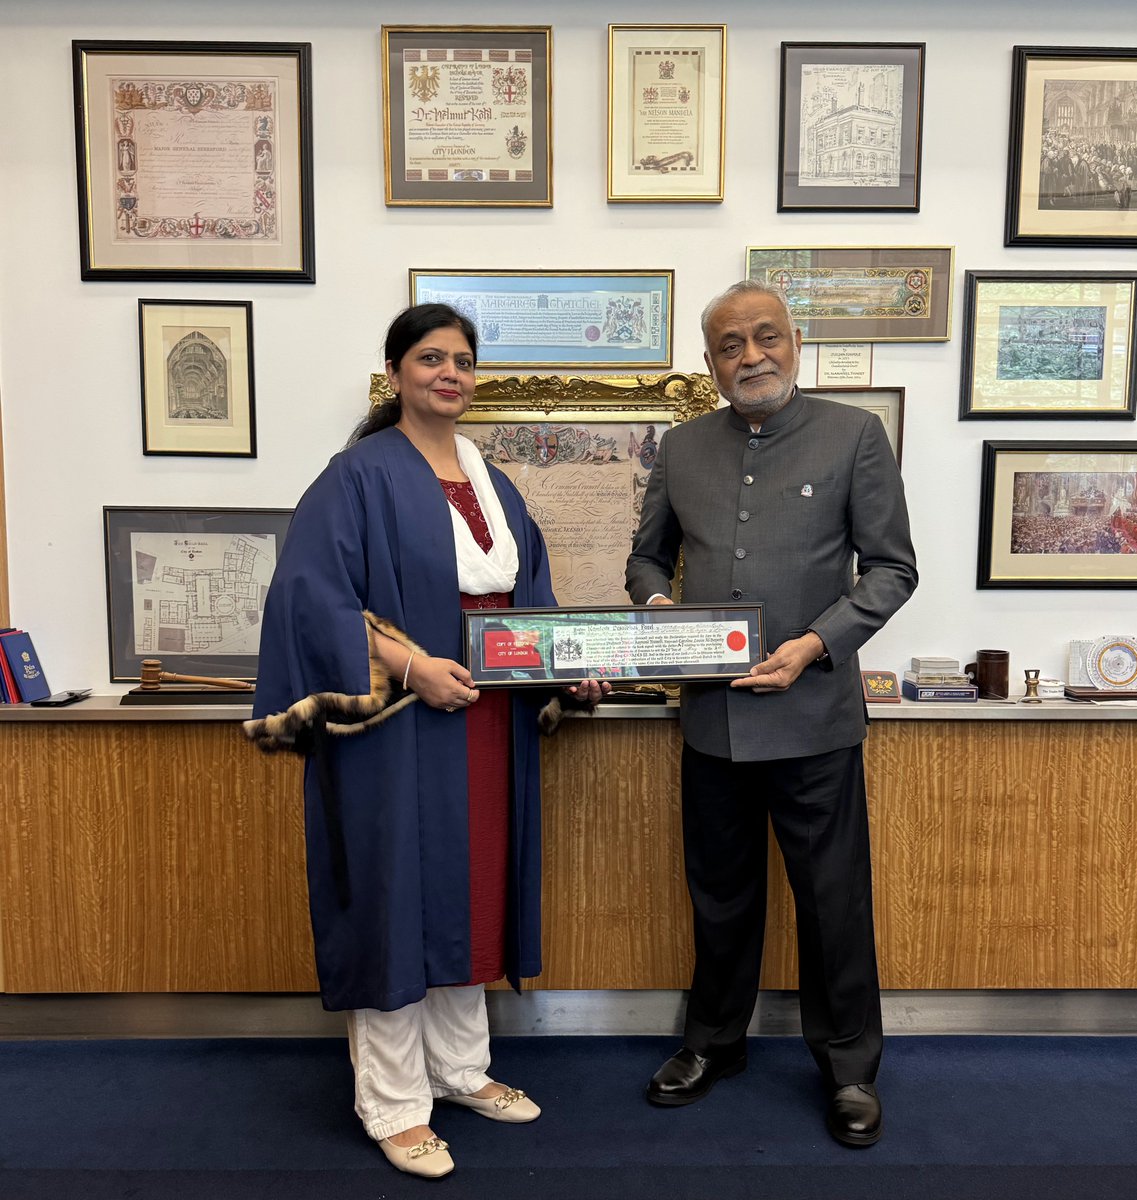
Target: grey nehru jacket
{"type": "Point", "coordinates": [777, 516]}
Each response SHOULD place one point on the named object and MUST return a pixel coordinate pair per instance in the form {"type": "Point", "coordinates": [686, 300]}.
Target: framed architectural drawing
{"type": "Point", "coordinates": [666, 92]}
{"type": "Point", "coordinates": [468, 115]}
{"type": "Point", "coordinates": [1058, 515]}
{"type": "Point", "coordinates": [850, 134]}
{"type": "Point", "coordinates": [580, 451]}
{"type": "Point", "coordinates": [608, 319]}
{"type": "Point", "coordinates": [1073, 148]}
{"type": "Point", "coordinates": [862, 293]}
{"type": "Point", "coordinates": [195, 160]}
{"type": "Point", "coordinates": [196, 368]}
{"type": "Point", "coordinates": [1049, 345]}
{"type": "Point", "coordinates": [187, 586]}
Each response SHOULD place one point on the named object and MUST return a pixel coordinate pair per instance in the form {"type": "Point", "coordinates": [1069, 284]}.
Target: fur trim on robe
{"type": "Point", "coordinates": [342, 714]}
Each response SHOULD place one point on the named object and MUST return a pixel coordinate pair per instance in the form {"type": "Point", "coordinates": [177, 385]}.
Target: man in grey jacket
{"type": "Point", "coordinates": [770, 499]}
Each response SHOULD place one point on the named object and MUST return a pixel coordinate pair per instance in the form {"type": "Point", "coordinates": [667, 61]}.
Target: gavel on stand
{"type": "Point", "coordinates": [153, 677]}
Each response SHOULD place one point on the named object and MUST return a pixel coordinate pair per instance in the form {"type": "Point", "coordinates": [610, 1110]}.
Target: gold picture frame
{"type": "Point", "coordinates": [666, 113]}
{"type": "Point", "coordinates": [580, 452]}
{"type": "Point", "coordinates": [434, 77]}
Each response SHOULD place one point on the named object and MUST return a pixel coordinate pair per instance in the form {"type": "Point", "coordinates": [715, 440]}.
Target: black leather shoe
{"type": "Point", "coordinates": [687, 1076]}
{"type": "Point", "coordinates": [854, 1115]}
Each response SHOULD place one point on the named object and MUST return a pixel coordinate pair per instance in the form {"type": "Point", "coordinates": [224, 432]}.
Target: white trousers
{"type": "Point", "coordinates": [438, 1046]}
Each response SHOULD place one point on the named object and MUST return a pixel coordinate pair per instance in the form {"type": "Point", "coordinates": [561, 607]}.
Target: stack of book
{"type": "Point", "coordinates": [933, 678]}
{"type": "Point", "coordinates": [21, 676]}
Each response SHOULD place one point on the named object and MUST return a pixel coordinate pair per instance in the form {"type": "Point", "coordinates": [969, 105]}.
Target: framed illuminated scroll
{"type": "Point", "coordinates": [194, 160]}
{"type": "Point", "coordinates": [643, 643]}
{"type": "Point", "coordinates": [467, 115]}
{"type": "Point", "coordinates": [666, 112]}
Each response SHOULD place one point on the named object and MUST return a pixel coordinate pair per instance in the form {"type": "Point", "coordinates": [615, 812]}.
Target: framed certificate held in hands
{"type": "Point", "coordinates": [644, 643]}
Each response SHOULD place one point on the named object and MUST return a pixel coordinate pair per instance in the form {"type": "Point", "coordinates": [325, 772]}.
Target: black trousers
{"type": "Point", "coordinates": [819, 813]}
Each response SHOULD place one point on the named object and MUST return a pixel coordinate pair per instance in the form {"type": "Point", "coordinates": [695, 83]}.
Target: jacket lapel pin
{"type": "Point", "coordinates": [807, 489]}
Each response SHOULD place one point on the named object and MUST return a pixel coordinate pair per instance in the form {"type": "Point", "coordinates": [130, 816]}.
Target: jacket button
{"type": "Point", "coordinates": [736, 593]}
{"type": "Point", "coordinates": [748, 479]}
{"type": "Point", "coordinates": [744, 515]}
{"type": "Point", "coordinates": [754, 443]}
{"type": "Point", "coordinates": [740, 553]}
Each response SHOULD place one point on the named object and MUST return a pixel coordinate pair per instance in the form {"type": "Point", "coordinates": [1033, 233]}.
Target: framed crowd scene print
{"type": "Point", "coordinates": [1048, 345]}
{"type": "Point", "coordinates": [666, 93]}
{"type": "Point", "coordinates": [850, 132]}
{"type": "Point", "coordinates": [195, 160]}
{"type": "Point", "coordinates": [467, 115]}
{"type": "Point", "coordinates": [1073, 149]}
{"type": "Point", "coordinates": [1058, 515]}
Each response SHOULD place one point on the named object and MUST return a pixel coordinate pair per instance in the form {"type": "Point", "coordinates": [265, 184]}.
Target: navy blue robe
{"type": "Point", "coordinates": [374, 532]}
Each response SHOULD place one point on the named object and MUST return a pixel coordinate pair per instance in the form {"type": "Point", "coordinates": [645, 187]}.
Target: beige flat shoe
{"type": "Point", "coordinates": [512, 1105]}
{"type": "Point", "coordinates": [430, 1159]}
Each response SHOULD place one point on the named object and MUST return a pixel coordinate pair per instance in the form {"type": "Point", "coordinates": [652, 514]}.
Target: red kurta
{"type": "Point", "coordinates": [487, 765]}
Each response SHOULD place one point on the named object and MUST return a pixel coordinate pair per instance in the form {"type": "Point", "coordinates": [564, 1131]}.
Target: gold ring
{"type": "Point", "coordinates": [449, 708]}
{"type": "Point", "coordinates": [469, 694]}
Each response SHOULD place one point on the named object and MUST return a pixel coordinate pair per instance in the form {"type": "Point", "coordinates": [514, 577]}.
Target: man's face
{"type": "Point", "coordinates": [753, 354]}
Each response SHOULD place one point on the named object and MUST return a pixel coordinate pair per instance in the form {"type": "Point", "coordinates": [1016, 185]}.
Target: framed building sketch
{"type": "Point", "coordinates": [1058, 515]}
{"type": "Point", "coordinates": [666, 126]}
{"type": "Point", "coordinates": [188, 586]}
{"type": "Point", "coordinates": [1049, 345]}
{"type": "Point", "coordinates": [1073, 147]}
{"type": "Point", "coordinates": [862, 293]}
{"type": "Point", "coordinates": [196, 369]}
{"type": "Point", "coordinates": [887, 403]}
{"type": "Point", "coordinates": [850, 133]}
{"type": "Point", "coordinates": [468, 115]}
{"type": "Point", "coordinates": [605, 319]}
{"type": "Point", "coordinates": [194, 160]}
{"type": "Point", "coordinates": [580, 451]}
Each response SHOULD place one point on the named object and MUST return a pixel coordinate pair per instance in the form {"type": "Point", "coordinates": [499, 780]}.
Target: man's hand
{"type": "Point", "coordinates": [780, 670]}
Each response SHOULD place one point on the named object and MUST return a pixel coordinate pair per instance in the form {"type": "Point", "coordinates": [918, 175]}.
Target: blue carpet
{"type": "Point", "coordinates": [966, 1118]}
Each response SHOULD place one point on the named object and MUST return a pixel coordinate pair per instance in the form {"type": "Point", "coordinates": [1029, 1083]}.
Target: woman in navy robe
{"type": "Point", "coordinates": [422, 818]}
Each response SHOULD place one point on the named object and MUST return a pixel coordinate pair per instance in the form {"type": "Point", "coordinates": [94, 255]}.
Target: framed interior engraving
{"type": "Point", "coordinates": [468, 115]}
{"type": "Point", "coordinates": [887, 403]}
{"type": "Point", "coordinates": [196, 370]}
{"type": "Point", "coordinates": [188, 586]}
{"type": "Point", "coordinates": [666, 112]}
{"type": "Point", "coordinates": [618, 320]}
{"type": "Point", "coordinates": [1049, 345]}
{"type": "Point", "coordinates": [1070, 171]}
{"type": "Point", "coordinates": [580, 451]}
{"type": "Point", "coordinates": [850, 130]}
{"type": "Point", "coordinates": [643, 643]}
{"type": "Point", "coordinates": [862, 293]}
{"type": "Point", "coordinates": [194, 160]}
{"type": "Point", "coordinates": [1058, 515]}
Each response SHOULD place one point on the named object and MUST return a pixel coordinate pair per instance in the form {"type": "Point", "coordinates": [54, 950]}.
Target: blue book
{"type": "Point", "coordinates": [25, 667]}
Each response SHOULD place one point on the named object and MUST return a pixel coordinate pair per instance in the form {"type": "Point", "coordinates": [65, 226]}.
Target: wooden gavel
{"type": "Point", "coordinates": [153, 677]}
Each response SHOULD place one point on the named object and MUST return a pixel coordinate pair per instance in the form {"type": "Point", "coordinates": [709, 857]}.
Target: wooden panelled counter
{"type": "Point", "coordinates": [150, 851]}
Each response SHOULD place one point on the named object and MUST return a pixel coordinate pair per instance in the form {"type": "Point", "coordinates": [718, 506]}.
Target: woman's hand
{"type": "Point", "coordinates": [442, 683]}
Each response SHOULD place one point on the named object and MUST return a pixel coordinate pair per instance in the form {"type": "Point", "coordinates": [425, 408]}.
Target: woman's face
{"type": "Point", "coordinates": [435, 379]}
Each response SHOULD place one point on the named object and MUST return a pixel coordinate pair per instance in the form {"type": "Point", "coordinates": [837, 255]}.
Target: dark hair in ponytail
{"type": "Point", "coordinates": [405, 331]}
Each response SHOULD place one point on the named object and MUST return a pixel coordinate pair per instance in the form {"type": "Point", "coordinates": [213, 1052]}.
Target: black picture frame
{"type": "Point", "coordinates": [138, 218]}
{"type": "Point", "coordinates": [1056, 515]}
{"type": "Point", "coordinates": [207, 347]}
{"type": "Point", "coordinates": [857, 157]}
{"type": "Point", "coordinates": [248, 570]}
{"type": "Point", "coordinates": [1061, 96]}
{"type": "Point", "coordinates": [1049, 346]}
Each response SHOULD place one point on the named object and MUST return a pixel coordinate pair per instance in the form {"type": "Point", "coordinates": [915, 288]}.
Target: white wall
{"type": "Point", "coordinates": [68, 353]}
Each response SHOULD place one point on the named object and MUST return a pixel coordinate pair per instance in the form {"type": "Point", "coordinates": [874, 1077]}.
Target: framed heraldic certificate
{"type": "Point", "coordinates": [467, 115]}
{"type": "Point", "coordinates": [656, 643]}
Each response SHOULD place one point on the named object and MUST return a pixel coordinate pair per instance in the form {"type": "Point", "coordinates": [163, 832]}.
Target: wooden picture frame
{"type": "Point", "coordinates": [194, 161]}
{"type": "Point", "coordinates": [666, 113]}
{"type": "Point", "coordinates": [1049, 345]}
{"type": "Point", "coordinates": [1058, 515]}
{"type": "Point", "coordinates": [434, 77]}
{"type": "Point", "coordinates": [850, 126]}
{"type": "Point", "coordinates": [196, 373]}
{"type": "Point", "coordinates": [1070, 167]}
{"type": "Point", "coordinates": [187, 586]}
